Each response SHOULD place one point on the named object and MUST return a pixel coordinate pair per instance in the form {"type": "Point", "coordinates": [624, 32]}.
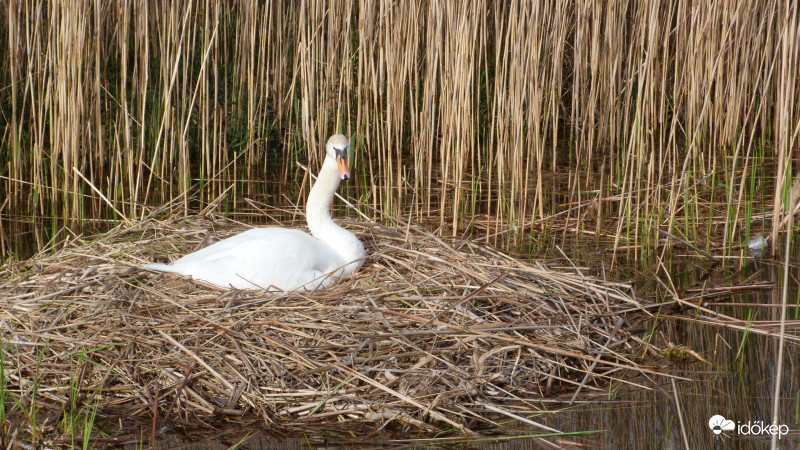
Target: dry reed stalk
{"type": "Point", "coordinates": [480, 332]}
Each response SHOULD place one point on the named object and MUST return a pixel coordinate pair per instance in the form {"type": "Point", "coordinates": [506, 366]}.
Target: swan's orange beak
{"type": "Point", "coordinates": [344, 170]}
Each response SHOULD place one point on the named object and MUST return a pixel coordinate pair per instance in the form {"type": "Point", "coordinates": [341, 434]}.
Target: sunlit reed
{"type": "Point", "coordinates": [461, 110]}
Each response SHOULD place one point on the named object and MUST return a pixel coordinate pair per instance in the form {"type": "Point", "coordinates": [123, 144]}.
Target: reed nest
{"type": "Point", "coordinates": [428, 334]}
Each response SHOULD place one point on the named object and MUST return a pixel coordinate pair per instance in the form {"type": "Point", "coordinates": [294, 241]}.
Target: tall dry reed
{"type": "Point", "coordinates": [462, 111]}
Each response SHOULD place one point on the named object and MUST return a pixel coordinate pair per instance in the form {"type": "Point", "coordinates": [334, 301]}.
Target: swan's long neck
{"type": "Point", "coordinates": [318, 215]}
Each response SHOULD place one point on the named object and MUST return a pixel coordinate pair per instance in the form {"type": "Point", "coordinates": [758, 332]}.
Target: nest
{"type": "Point", "coordinates": [428, 334]}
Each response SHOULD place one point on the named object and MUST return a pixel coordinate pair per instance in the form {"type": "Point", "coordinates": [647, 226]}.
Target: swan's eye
{"type": "Point", "coordinates": [340, 154]}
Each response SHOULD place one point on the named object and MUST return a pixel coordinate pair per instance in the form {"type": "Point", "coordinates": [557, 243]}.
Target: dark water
{"type": "Point", "coordinates": [737, 383]}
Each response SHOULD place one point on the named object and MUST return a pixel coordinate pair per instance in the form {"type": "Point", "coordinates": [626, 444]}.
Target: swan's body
{"type": "Point", "coordinates": [285, 258]}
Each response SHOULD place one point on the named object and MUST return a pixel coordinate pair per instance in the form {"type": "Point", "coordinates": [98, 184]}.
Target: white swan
{"type": "Point", "coordinates": [280, 257]}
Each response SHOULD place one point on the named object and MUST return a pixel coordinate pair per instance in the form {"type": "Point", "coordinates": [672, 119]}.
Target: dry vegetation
{"type": "Point", "coordinates": [457, 108]}
{"type": "Point", "coordinates": [429, 334]}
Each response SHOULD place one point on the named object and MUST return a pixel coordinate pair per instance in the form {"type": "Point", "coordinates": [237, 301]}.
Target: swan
{"type": "Point", "coordinates": [283, 258]}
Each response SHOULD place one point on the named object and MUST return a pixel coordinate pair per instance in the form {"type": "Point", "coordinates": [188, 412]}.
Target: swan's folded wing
{"type": "Point", "coordinates": [259, 259]}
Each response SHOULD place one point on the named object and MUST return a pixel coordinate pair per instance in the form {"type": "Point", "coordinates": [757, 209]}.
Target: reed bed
{"type": "Point", "coordinates": [459, 108]}
{"type": "Point", "coordinates": [429, 334]}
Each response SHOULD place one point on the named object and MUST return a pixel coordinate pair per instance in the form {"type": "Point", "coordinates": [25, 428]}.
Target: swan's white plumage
{"type": "Point", "coordinates": [283, 258]}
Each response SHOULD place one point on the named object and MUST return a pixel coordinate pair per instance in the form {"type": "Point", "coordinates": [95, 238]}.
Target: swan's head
{"type": "Point", "coordinates": [338, 149]}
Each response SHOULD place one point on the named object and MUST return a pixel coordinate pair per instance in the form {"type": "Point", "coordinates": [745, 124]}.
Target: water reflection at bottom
{"type": "Point", "coordinates": [650, 419]}
{"type": "Point", "coordinates": [737, 383]}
